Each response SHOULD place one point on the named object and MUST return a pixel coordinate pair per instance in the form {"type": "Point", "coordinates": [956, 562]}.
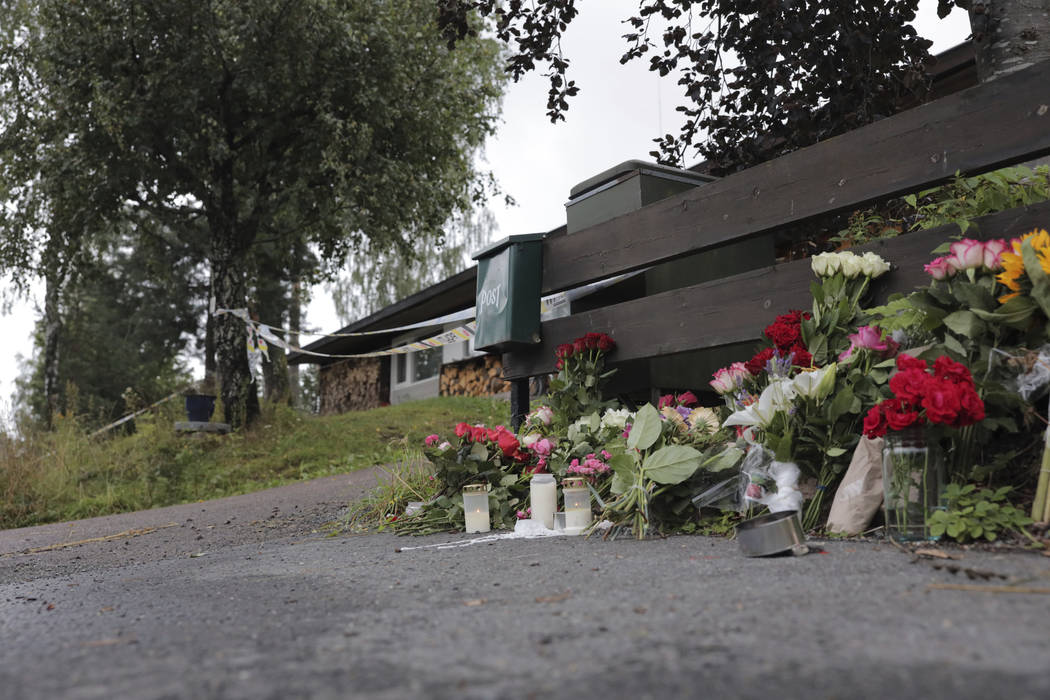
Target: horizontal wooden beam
{"type": "Point", "coordinates": [736, 309]}
{"type": "Point", "coordinates": [999, 123]}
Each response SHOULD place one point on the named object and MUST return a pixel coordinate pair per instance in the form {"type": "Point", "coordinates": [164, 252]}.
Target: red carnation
{"type": "Point", "coordinates": [946, 368]}
{"type": "Point", "coordinates": [875, 425]}
{"type": "Point", "coordinates": [909, 362]}
{"type": "Point", "coordinates": [758, 363]}
{"type": "Point", "coordinates": [909, 385]}
{"type": "Point", "coordinates": [942, 401]}
{"type": "Point", "coordinates": [802, 356]}
{"type": "Point", "coordinates": [971, 407]}
{"type": "Point", "coordinates": [898, 415]}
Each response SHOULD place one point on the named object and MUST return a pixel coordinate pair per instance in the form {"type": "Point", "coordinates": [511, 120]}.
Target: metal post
{"type": "Point", "coordinates": [519, 402]}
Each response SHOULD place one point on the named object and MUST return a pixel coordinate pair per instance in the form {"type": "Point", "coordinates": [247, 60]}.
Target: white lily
{"type": "Point", "coordinates": [816, 384]}
{"type": "Point", "coordinates": [775, 398]}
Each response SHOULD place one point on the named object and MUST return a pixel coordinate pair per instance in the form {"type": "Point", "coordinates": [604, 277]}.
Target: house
{"type": "Point", "coordinates": [456, 368]}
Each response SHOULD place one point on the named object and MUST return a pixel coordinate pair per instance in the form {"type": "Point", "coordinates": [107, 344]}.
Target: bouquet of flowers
{"type": "Point", "coordinates": [577, 390]}
{"type": "Point", "coordinates": [942, 394]}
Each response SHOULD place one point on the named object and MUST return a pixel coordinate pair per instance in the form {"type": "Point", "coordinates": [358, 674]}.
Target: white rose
{"type": "Point", "coordinates": [851, 265]}
{"type": "Point", "coordinates": [873, 265]}
{"type": "Point", "coordinates": [616, 419]}
{"type": "Point", "coordinates": [825, 264]}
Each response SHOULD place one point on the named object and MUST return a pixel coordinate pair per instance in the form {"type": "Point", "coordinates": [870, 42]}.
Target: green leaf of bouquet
{"type": "Point", "coordinates": [619, 483]}
{"type": "Point", "coordinates": [888, 364]}
{"type": "Point", "coordinates": [478, 452]}
{"type": "Point", "coordinates": [835, 451]}
{"type": "Point", "coordinates": [623, 464]}
{"type": "Point", "coordinates": [646, 429]}
{"type": "Point", "coordinates": [672, 464]}
{"type": "Point", "coordinates": [508, 480]}
{"type": "Point", "coordinates": [841, 404]}
{"type": "Point", "coordinates": [942, 248]}
{"type": "Point", "coordinates": [975, 296]}
{"type": "Point", "coordinates": [1040, 282]}
{"type": "Point", "coordinates": [726, 459]}
{"type": "Point", "coordinates": [952, 344]}
{"type": "Point", "coordinates": [964, 323]}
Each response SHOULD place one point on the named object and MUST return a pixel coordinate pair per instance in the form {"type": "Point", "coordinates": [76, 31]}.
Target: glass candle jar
{"type": "Point", "coordinates": [476, 507]}
{"type": "Point", "coordinates": [543, 495]}
{"type": "Point", "coordinates": [577, 499]}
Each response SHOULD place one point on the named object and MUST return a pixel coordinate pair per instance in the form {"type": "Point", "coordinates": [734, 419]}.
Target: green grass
{"type": "Point", "coordinates": [64, 474]}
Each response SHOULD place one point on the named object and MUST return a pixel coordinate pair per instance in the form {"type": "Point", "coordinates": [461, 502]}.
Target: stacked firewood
{"type": "Point", "coordinates": [353, 385]}
{"type": "Point", "coordinates": [478, 376]}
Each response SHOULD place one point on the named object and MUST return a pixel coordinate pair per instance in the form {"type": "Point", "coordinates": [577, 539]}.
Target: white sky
{"type": "Point", "coordinates": [615, 117]}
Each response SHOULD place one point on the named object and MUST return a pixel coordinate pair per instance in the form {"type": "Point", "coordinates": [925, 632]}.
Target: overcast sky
{"type": "Point", "coordinates": [616, 116]}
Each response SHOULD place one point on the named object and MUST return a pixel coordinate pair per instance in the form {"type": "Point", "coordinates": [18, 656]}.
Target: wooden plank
{"type": "Point", "coordinates": [988, 126]}
{"type": "Point", "coordinates": [736, 309]}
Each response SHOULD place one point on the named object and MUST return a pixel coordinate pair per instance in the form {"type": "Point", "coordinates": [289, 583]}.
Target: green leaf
{"type": "Point", "coordinates": [619, 484]}
{"type": "Point", "coordinates": [942, 248]}
{"type": "Point", "coordinates": [835, 452]}
{"type": "Point", "coordinates": [841, 404]}
{"type": "Point", "coordinates": [952, 344]}
{"type": "Point", "coordinates": [726, 459]}
{"type": "Point", "coordinates": [508, 480]}
{"type": "Point", "coordinates": [956, 529]}
{"type": "Point", "coordinates": [623, 464]}
{"type": "Point", "coordinates": [478, 452]}
{"type": "Point", "coordinates": [672, 464]}
{"type": "Point", "coordinates": [964, 323]}
{"type": "Point", "coordinates": [646, 429]}
{"type": "Point", "coordinates": [1040, 282]}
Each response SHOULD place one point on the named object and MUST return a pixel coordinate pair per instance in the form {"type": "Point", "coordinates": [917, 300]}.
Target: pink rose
{"type": "Point", "coordinates": [542, 447]}
{"type": "Point", "coordinates": [993, 251]}
{"type": "Point", "coordinates": [966, 254]}
{"type": "Point", "coordinates": [431, 440]}
{"type": "Point", "coordinates": [939, 269]}
{"type": "Point", "coordinates": [723, 382]}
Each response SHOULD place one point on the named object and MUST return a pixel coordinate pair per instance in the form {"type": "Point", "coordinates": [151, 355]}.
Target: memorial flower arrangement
{"type": "Point", "coordinates": [577, 389]}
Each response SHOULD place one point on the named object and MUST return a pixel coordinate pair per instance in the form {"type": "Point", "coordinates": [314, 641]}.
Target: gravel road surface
{"type": "Point", "coordinates": [251, 597]}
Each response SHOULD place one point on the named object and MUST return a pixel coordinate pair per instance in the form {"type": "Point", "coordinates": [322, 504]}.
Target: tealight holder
{"type": "Point", "coordinates": [577, 499]}
{"type": "Point", "coordinates": [476, 507]}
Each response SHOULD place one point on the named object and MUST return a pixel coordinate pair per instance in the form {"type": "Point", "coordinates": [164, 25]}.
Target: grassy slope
{"type": "Point", "coordinates": [65, 475]}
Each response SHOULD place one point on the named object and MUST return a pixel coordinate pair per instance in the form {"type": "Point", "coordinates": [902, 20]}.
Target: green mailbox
{"type": "Point", "coordinates": [507, 307]}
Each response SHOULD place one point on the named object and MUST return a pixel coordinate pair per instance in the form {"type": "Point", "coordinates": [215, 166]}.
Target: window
{"type": "Point", "coordinates": [402, 368]}
{"type": "Point", "coordinates": [426, 364]}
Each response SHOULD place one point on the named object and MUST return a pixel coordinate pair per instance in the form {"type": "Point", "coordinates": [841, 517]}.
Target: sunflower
{"type": "Point", "coordinates": [1013, 262]}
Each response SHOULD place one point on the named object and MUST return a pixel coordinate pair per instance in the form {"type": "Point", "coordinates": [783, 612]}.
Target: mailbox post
{"type": "Point", "coordinates": [507, 306]}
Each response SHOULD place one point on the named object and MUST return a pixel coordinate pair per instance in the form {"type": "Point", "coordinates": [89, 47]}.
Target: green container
{"type": "Point", "coordinates": [508, 298]}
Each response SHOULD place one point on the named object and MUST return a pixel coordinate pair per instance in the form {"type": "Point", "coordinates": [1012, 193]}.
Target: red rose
{"type": "Point", "coordinates": [942, 401]}
{"type": "Point", "coordinates": [606, 343]}
{"type": "Point", "coordinates": [971, 408]}
{"type": "Point", "coordinates": [591, 340]}
{"type": "Point", "coordinates": [909, 362]}
{"type": "Point", "coordinates": [493, 434]}
{"type": "Point", "coordinates": [563, 350]}
{"type": "Point", "coordinates": [478, 433]}
{"type": "Point", "coordinates": [665, 401]}
{"type": "Point", "coordinates": [508, 443]}
{"type": "Point", "coordinates": [579, 345]}
{"type": "Point", "coordinates": [758, 363]}
{"type": "Point", "coordinates": [899, 416]}
{"type": "Point", "coordinates": [946, 368]}
{"type": "Point", "coordinates": [909, 385]}
{"type": "Point", "coordinates": [559, 364]}
{"type": "Point", "coordinates": [875, 422]}
{"type": "Point", "coordinates": [463, 430]}
{"type": "Point", "coordinates": [783, 335]}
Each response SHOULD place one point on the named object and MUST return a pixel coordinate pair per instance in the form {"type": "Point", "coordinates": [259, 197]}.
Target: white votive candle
{"type": "Point", "coordinates": [476, 507]}
{"type": "Point", "coordinates": [577, 499]}
{"type": "Point", "coordinates": [543, 496]}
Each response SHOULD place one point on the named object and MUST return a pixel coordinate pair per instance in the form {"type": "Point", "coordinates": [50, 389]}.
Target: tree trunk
{"type": "Point", "coordinates": [52, 337]}
{"type": "Point", "coordinates": [240, 399]}
{"type": "Point", "coordinates": [1009, 35]}
{"type": "Point", "coordinates": [210, 368]}
{"type": "Point", "coordinates": [295, 319]}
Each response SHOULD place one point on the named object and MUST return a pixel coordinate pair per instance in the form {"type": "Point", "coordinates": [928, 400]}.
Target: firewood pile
{"type": "Point", "coordinates": [353, 385]}
{"type": "Point", "coordinates": [478, 376]}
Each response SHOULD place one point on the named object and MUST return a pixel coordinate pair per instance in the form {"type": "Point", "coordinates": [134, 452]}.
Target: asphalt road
{"type": "Point", "coordinates": [236, 600]}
